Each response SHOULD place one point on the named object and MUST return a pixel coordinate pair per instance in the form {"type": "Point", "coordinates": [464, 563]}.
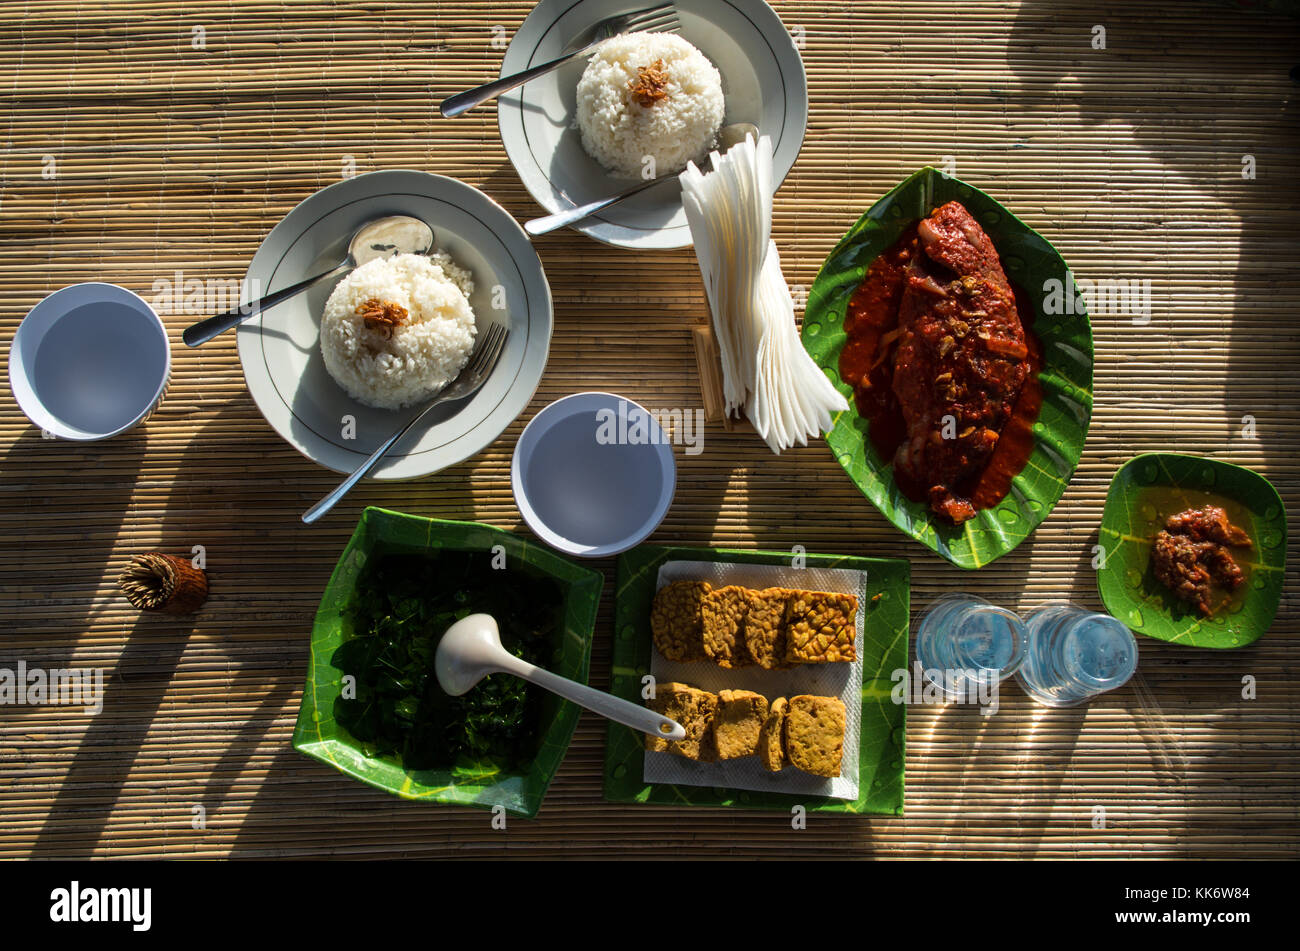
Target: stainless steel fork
{"type": "Point", "coordinates": [658, 19]}
{"type": "Point", "coordinates": [466, 384]}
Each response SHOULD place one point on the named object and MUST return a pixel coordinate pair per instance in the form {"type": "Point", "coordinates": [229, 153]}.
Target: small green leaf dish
{"type": "Point", "coordinates": [1149, 488]}
{"type": "Point", "coordinates": [1030, 263]}
{"type": "Point", "coordinates": [316, 734]}
{"type": "Point", "coordinates": [883, 651]}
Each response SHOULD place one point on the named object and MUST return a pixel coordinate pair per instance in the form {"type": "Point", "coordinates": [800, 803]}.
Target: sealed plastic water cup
{"type": "Point", "coordinates": [963, 640]}
{"type": "Point", "coordinates": [1075, 654]}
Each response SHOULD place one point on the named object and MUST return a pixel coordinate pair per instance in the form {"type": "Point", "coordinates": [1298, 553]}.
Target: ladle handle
{"type": "Point", "coordinates": [200, 333]}
{"type": "Point", "coordinates": [597, 701]}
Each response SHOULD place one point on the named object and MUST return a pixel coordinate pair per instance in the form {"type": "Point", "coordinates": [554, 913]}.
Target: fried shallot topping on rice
{"type": "Point", "coordinates": [651, 84]}
{"type": "Point", "coordinates": [382, 315]}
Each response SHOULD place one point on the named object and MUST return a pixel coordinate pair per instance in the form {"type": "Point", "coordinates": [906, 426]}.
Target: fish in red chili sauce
{"type": "Point", "coordinates": [939, 359]}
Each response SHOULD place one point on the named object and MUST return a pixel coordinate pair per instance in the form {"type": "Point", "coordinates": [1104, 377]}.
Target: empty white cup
{"type": "Point", "coordinates": [89, 361]}
{"type": "Point", "coordinates": [593, 474]}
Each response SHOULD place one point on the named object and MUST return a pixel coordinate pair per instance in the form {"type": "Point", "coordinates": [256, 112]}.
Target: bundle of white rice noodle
{"type": "Point", "coordinates": [765, 369]}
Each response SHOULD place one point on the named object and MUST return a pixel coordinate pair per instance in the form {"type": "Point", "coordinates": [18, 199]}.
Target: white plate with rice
{"type": "Point", "coordinates": [544, 122]}
{"type": "Point", "coordinates": [337, 415]}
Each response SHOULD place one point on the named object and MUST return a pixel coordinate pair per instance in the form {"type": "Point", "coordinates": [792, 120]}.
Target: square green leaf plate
{"type": "Point", "coordinates": [884, 650]}
{"type": "Point", "coordinates": [1145, 491]}
{"type": "Point", "coordinates": [381, 532]}
{"type": "Point", "coordinates": [1031, 264]}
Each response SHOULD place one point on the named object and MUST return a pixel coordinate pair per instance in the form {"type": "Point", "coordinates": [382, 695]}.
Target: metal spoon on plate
{"type": "Point", "coordinates": [728, 136]}
{"type": "Point", "coordinates": [378, 238]}
{"type": "Point", "coordinates": [471, 649]}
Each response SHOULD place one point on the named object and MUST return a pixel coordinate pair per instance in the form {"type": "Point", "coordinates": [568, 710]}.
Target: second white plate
{"type": "Point", "coordinates": [280, 348]}
{"type": "Point", "coordinates": [763, 82]}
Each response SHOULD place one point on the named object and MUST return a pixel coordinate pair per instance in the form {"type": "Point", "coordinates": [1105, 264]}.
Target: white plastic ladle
{"type": "Point", "coordinates": [471, 649]}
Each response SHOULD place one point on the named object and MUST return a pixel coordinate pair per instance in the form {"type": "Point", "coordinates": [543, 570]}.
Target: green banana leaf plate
{"type": "Point", "coordinates": [1033, 265]}
{"type": "Point", "coordinates": [884, 650]}
{"type": "Point", "coordinates": [1145, 491]}
{"type": "Point", "coordinates": [318, 735]}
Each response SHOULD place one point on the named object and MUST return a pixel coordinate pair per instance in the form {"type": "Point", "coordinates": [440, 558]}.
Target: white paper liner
{"type": "Point", "coordinates": [824, 680]}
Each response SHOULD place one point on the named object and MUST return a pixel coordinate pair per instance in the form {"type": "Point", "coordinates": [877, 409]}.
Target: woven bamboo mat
{"type": "Point", "coordinates": [146, 138]}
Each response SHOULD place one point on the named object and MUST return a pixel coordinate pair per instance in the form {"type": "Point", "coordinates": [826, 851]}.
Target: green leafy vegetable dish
{"type": "Point", "coordinates": [1149, 489]}
{"type": "Point", "coordinates": [372, 707]}
{"type": "Point", "coordinates": [401, 606]}
{"type": "Point", "coordinates": [1049, 436]}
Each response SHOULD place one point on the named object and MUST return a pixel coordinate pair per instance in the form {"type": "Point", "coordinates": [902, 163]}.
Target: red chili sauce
{"type": "Point", "coordinates": [866, 364]}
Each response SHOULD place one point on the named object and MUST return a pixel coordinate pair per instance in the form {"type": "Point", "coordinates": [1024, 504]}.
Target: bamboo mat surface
{"type": "Point", "coordinates": [132, 151]}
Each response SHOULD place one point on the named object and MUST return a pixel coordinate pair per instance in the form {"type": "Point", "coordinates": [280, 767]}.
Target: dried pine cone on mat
{"type": "Point", "coordinates": [158, 582]}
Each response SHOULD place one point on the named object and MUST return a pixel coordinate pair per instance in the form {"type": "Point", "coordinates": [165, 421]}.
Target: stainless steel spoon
{"type": "Point", "coordinates": [379, 238]}
{"type": "Point", "coordinates": [728, 136]}
{"type": "Point", "coordinates": [471, 649]}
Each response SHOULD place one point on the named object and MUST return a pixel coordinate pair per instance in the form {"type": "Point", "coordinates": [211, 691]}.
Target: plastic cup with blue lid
{"type": "Point", "coordinates": [964, 642]}
{"type": "Point", "coordinates": [1075, 654]}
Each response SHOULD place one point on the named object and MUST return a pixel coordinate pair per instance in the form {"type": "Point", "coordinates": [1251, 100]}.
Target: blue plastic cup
{"type": "Point", "coordinates": [963, 640]}
{"type": "Point", "coordinates": [1075, 654]}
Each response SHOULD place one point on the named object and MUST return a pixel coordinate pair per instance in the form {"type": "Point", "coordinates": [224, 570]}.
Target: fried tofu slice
{"type": "Point", "coordinates": [737, 723]}
{"type": "Point", "coordinates": [765, 627]}
{"type": "Point", "coordinates": [820, 628]}
{"type": "Point", "coordinates": [814, 734]}
{"type": "Point", "coordinates": [676, 623]}
{"type": "Point", "coordinates": [694, 709]}
{"type": "Point", "coordinates": [723, 611]}
{"type": "Point", "coordinates": [771, 737]}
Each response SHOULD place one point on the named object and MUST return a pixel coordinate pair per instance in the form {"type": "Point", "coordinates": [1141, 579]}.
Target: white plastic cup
{"type": "Point", "coordinates": [89, 361]}
{"type": "Point", "coordinates": [593, 474]}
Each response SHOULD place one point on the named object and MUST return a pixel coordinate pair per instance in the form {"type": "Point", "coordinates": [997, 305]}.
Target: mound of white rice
{"type": "Point", "coordinates": [619, 132]}
{"type": "Point", "coordinates": [411, 362]}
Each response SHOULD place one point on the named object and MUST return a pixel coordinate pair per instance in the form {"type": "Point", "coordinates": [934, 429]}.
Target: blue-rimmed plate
{"type": "Point", "coordinates": [280, 348]}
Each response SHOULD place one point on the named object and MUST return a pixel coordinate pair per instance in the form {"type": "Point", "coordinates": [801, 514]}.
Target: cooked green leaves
{"type": "Point", "coordinates": [402, 606]}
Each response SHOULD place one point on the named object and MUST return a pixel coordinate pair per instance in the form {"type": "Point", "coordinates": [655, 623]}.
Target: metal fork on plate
{"type": "Point", "coordinates": [657, 19]}
{"type": "Point", "coordinates": [470, 379]}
